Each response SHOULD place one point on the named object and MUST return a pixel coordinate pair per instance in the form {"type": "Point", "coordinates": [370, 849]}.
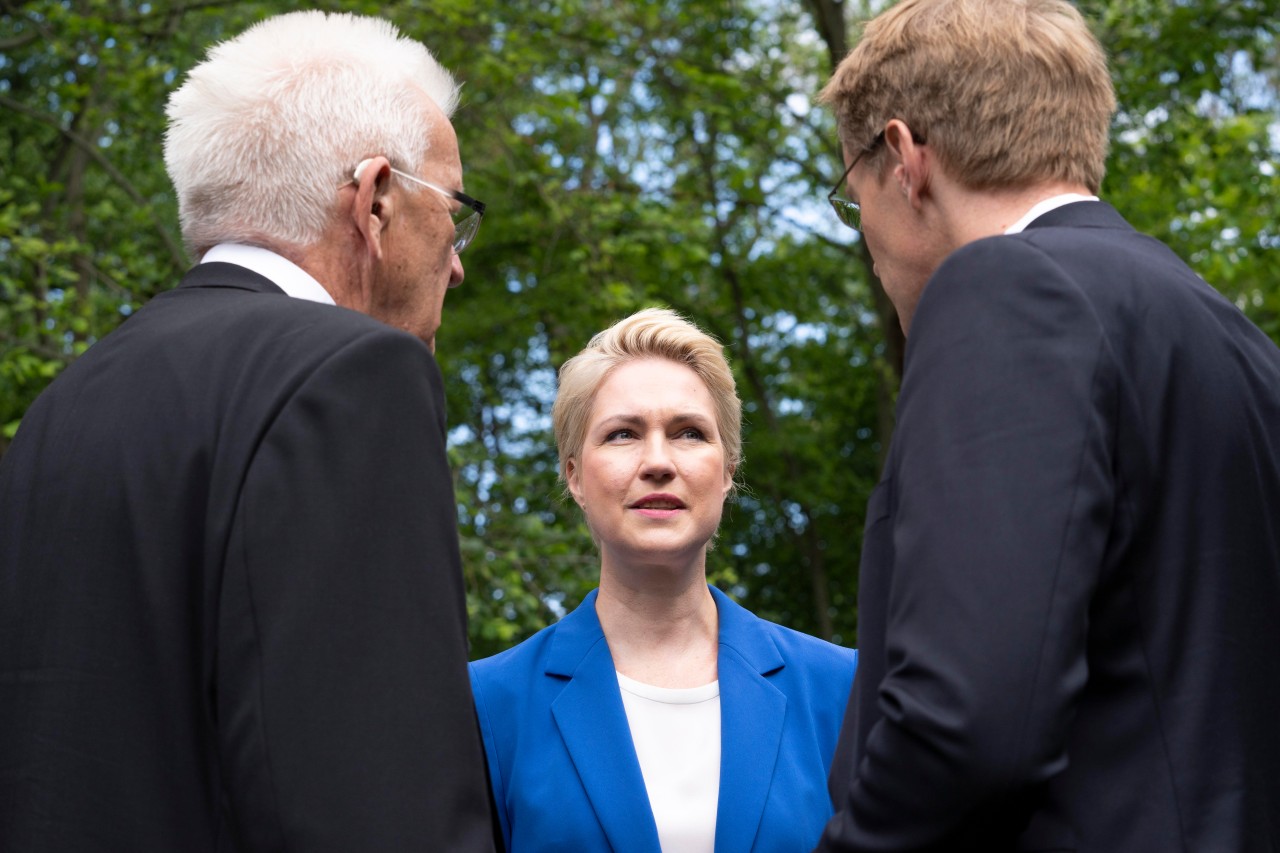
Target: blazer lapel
{"type": "Point", "coordinates": [593, 726]}
{"type": "Point", "coordinates": [751, 715]}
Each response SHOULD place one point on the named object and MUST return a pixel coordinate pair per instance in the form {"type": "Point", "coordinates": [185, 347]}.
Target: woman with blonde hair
{"type": "Point", "coordinates": [658, 715]}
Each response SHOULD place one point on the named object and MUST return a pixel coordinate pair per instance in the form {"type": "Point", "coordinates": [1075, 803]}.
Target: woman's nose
{"type": "Point", "coordinates": [657, 460]}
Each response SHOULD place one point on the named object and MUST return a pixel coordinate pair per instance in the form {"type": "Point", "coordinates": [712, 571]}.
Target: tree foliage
{"type": "Point", "coordinates": [632, 154]}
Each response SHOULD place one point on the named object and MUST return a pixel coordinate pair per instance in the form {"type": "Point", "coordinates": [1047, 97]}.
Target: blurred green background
{"type": "Point", "coordinates": [632, 154]}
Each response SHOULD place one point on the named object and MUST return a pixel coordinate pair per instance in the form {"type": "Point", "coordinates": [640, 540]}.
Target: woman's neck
{"type": "Point", "coordinates": [664, 634]}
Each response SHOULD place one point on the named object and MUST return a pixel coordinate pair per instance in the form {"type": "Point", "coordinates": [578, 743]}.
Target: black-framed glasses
{"type": "Point", "coordinates": [466, 221]}
{"type": "Point", "coordinates": [849, 211]}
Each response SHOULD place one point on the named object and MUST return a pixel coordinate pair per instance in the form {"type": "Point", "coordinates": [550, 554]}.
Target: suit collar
{"type": "Point", "coordinates": [276, 268]}
{"type": "Point", "coordinates": [593, 725]}
{"type": "Point", "coordinates": [1045, 205]}
{"type": "Point", "coordinates": [743, 633]}
{"type": "Point", "coordinates": [1081, 214]}
{"type": "Point", "coordinates": [752, 712]}
{"type": "Point", "coordinates": [575, 636]}
{"type": "Point", "coordinates": [218, 274]}
{"type": "Point", "coordinates": [740, 630]}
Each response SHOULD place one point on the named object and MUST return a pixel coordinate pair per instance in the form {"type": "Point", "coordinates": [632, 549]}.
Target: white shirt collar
{"type": "Point", "coordinates": [284, 273]}
{"type": "Point", "coordinates": [1043, 207]}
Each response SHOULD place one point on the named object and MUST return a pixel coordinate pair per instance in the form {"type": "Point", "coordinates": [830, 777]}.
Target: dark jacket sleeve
{"type": "Point", "coordinates": [345, 713]}
{"type": "Point", "coordinates": [1004, 499]}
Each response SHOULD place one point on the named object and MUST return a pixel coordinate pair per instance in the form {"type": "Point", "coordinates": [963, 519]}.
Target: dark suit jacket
{"type": "Point", "coordinates": [565, 774]}
{"type": "Point", "coordinates": [231, 611]}
{"type": "Point", "coordinates": [1069, 611]}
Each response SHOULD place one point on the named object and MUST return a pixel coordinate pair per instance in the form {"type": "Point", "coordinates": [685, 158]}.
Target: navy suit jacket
{"type": "Point", "coordinates": [231, 608]}
{"type": "Point", "coordinates": [1069, 605]}
{"type": "Point", "coordinates": [563, 768]}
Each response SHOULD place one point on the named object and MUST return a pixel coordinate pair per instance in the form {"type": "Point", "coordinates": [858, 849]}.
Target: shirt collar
{"type": "Point", "coordinates": [1042, 207]}
{"type": "Point", "coordinates": [284, 273]}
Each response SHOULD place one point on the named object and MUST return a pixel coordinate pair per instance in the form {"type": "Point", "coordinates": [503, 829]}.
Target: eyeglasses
{"type": "Point", "coordinates": [466, 220]}
{"type": "Point", "coordinates": [849, 211]}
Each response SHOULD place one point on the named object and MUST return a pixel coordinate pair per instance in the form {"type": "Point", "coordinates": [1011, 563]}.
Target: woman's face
{"type": "Point", "coordinates": [651, 475]}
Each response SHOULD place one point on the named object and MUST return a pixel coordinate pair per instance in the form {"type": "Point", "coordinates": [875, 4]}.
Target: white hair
{"type": "Point", "coordinates": [264, 131]}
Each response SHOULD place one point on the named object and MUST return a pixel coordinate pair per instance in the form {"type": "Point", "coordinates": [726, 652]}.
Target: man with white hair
{"type": "Point", "coordinates": [232, 614]}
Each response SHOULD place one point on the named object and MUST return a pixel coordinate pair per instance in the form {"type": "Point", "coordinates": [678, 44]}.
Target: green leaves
{"type": "Point", "coordinates": [631, 154]}
{"type": "Point", "coordinates": [635, 161]}
{"type": "Point", "coordinates": [1194, 159]}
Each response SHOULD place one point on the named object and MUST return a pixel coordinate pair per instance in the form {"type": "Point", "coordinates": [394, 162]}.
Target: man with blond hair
{"type": "Point", "coordinates": [1069, 600]}
{"type": "Point", "coordinates": [231, 607]}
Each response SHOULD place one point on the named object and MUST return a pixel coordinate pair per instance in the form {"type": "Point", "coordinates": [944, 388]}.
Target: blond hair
{"type": "Point", "coordinates": [1008, 93]}
{"type": "Point", "coordinates": [652, 333]}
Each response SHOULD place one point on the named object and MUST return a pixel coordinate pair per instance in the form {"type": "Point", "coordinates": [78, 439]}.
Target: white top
{"type": "Point", "coordinates": [1042, 207]}
{"type": "Point", "coordinates": [676, 732]}
{"type": "Point", "coordinates": [284, 273]}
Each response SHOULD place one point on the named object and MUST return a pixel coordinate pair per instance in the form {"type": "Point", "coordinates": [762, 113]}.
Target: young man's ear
{"type": "Point", "coordinates": [911, 170]}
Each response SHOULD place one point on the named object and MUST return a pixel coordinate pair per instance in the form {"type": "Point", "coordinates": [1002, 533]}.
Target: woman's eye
{"type": "Point", "coordinates": [619, 435]}
{"type": "Point", "coordinates": [692, 434]}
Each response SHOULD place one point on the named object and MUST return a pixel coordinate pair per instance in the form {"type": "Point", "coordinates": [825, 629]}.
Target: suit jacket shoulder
{"type": "Point", "coordinates": [261, 482]}
{"type": "Point", "coordinates": [1080, 487]}
{"type": "Point", "coordinates": [563, 768]}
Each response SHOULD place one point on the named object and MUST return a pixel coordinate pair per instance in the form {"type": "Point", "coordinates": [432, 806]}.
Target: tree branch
{"type": "Point", "coordinates": [176, 253]}
{"type": "Point", "coordinates": [18, 41]}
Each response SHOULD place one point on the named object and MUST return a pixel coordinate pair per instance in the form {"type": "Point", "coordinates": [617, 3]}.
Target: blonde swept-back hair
{"type": "Point", "coordinates": [1008, 93]}
{"type": "Point", "coordinates": [266, 128]}
{"type": "Point", "coordinates": [651, 333]}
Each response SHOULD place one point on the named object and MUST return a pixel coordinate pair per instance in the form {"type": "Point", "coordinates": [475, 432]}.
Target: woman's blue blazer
{"type": "Point", "coordinates": [564, 772]}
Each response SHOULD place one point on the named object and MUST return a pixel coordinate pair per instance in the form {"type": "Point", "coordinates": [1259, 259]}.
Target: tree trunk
{"type": "Point", "coordinates": [829, 19]}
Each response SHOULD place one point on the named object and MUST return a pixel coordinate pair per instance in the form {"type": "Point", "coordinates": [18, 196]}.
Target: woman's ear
{"type": "Point", "coordinates": [572, 480]}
